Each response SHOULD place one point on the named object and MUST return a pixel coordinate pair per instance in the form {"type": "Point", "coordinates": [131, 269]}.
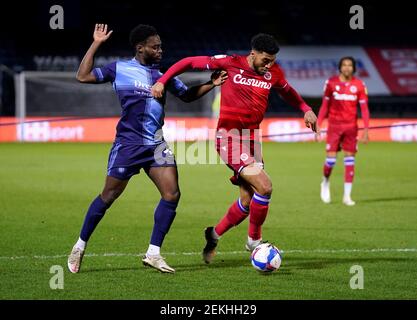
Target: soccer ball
{"type": "Point", "coordinates": [266, 258]}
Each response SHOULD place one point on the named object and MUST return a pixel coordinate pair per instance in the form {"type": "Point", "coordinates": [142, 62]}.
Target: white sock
{"type": "Point", "coordinates": [348, 189]}
{"type": "Point", "coordinates": [81, 244]}
{"type": "Point", "coordinates": [214, 234]}
{"type": "Point", "coordinates": [325, 180]}
{"type": "Point", "coordinates": [252, 242]}
{"type": "Point", "coordinates": [153, 250]}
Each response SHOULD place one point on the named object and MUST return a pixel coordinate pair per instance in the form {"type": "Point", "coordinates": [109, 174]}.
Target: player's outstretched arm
{"type": "Point", "coordinates": [196, 92]}
{"type": "Point", "coordinates": [199, 63]}
{"type": "Point", "coordinates": [84, 73]}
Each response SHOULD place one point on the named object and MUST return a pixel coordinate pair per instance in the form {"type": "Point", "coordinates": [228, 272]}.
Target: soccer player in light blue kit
{"type": "Point", "coordinates": [139, 141]}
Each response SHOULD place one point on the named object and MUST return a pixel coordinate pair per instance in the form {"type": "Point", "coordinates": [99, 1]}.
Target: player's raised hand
{"type": "Point", "coordinates": [157, 90]}
{"type": "Point", "coordinates": [218, 77]}
{"type": "Point", "coordinates": [310, 120]}
{"type": "Point", "coordinates": [100, 33]}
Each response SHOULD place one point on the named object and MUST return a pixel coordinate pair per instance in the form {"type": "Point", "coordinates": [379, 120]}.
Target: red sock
{"type": "Point", "coordinates": [349, 169]}
{"type": "Point", "coordinates": [328, 166]}
{"type": "Point", "coordinates": [327, 171]}
{"type": "Point", "coordinates": [258, 211]}
{"type": "Point", "coordinates": [235, 215]}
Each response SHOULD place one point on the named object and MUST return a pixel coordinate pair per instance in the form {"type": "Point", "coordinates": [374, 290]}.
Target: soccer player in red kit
{"type": "Point", "coordinates": [244, 100]}
{"type": "Point", "coordinates": [342, 94]}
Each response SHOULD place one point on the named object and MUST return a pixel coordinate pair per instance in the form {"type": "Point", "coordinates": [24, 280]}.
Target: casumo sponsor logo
{"type": "Point", "coordinates": [239, 79]}
{"type": "Point", "coordinates": [344, 97]}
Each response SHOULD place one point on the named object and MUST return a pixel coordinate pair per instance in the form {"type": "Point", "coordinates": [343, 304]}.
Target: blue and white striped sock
{"type": "Point", "coordinates": [263, 200]}
{"type": "Point", "coordinates": [242, 207]}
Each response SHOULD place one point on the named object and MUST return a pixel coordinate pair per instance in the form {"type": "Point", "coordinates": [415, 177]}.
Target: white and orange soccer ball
{"type": "Point", "coordinates": [266, 258]}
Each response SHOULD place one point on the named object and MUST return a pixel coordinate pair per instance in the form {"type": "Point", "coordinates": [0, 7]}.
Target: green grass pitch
{"type": "Point", "coordinates": [45, 190]}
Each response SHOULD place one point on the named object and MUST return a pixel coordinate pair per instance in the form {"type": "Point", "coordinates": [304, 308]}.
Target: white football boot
{"type": "Point", "coordinates": [252, 244]}
{"type": "Point", "coordinates": [158, 263]}
{"type": "Point", "coordinates": [348, 201]}
{"type": "Point", "coordinates": [74, 259]}
{"type": "Point", "coordinates": [325, 191]}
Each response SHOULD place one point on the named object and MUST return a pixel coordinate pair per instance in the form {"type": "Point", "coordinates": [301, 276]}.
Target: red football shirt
{"type": "Point", "coordinates": [342, 100]}
{"type": "Point", "coordinates": [244, 96]}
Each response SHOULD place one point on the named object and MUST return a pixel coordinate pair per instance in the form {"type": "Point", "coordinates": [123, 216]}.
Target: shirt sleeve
{"type": "Point", "coordinates": [194, 63]}
{"type": "Point", "coordinates": [327, 90]}
{"type": "Point", "coordinates": [218, 62]}
{"type": "Point", "coordinates": [363, 102]}
{"type": "Point", "coordinates": [324, 111]}
{"type": "Point", "coordinates": [281, 82]}
{"type": "Point", "coordinates": [324, 108]}
{"type": "Point", "coordinates": [177, 87]}
{"type": "Point", "coordinates": [106, 73]}
{"type": "Point", "coordinates": [363, 94]}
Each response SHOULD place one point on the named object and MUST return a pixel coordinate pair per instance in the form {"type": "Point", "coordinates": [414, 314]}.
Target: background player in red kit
{"type": "Point", "coordinates": [341, 96]}
{"type": "Point", "coordinates": [244, 99]}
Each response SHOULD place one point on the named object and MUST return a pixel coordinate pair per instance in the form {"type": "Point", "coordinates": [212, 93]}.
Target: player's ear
{"type": "Point", "coordinates": [139, 48]}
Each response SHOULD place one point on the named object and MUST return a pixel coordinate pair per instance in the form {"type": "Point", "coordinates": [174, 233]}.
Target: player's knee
{"type": "Point", "coordinates": [172, 196]}
{"type": "Point", "coordinates": [245, 201]}
{"type": "Point", "coordinates": [109, 196]}
{"type": "Point", "coordinates": [265, 189]}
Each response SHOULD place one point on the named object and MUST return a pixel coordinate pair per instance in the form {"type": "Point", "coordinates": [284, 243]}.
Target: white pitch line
{"type": "Point", "coordinates": [120, 254]}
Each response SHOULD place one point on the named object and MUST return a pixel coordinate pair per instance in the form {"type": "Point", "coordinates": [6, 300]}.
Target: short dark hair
{"type": "Point", "coordinates": [263, 42]}
{"type": "Point", "coordinates": [348, 58]}
{"type": "Point", "coordinates": [141, 33]}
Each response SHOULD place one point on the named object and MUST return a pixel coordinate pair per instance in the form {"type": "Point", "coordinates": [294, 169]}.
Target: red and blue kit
{"type": "Point", "coordinates": [340, 105]}
{"type": "Point", "coordinates": [243, 103]}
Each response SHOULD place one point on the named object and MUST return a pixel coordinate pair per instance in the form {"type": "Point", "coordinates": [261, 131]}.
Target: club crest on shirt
{"type": "Point", "coordinates": [267, 75]}
{"type": "Point", "coordinates": [168, 151]}
{"type": "Point", "coordinates": [353, 89]}
{"type": "Point", "coordinates": [244, 157]}
{"type": "Point", "coordinates": [337, 87]}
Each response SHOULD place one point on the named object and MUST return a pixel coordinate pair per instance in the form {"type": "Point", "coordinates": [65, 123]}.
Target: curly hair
{"type": "Point", "coordinates": [348, 58]}
{"type": "Point", "coordinates": [141, 33]}
{"type": "Point", "coordinates": [263, 42]}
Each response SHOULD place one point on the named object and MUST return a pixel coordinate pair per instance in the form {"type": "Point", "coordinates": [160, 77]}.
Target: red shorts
{"type": "Point", "coordinates": [237, 154]}
{"type": "Point", "coordinates": [342, 137]}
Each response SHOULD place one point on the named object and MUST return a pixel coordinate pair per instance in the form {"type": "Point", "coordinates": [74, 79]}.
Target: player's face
{"type": "Point", "coordinates": [152, 49]}
{"type": "Point", "coordinates": [346, 68]}
{"type": "Point", "coordinates": [262, 61]}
